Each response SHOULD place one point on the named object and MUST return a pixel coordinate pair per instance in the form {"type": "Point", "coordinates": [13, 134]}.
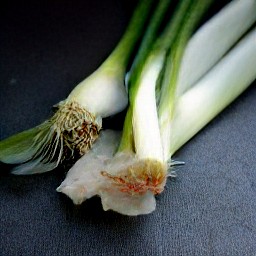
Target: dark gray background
{"type": "Point", "coordinates": [46, 48]}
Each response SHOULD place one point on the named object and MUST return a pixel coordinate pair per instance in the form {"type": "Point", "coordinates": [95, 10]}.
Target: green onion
{"type": "Point", "coordinates": [132, 179]}
{"type": "Point", "coordinates": [76, 124]}
{"type": "Point", "coordinates": [128, 181]}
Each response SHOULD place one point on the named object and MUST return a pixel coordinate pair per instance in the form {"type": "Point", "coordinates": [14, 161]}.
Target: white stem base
{"type": "Point", "coordinates": [145, 118]}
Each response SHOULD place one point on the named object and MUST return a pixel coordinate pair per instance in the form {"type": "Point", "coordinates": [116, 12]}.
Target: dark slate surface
{"type": "Point", "coordinates": [46, 47]}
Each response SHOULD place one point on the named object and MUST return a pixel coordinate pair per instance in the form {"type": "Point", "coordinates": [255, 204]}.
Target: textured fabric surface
{"type": "Point", "coordinates": [210, 209]}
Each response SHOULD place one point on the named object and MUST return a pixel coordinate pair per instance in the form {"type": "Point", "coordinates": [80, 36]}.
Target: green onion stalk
{"type": "Point", "coordinates": [77, 121]}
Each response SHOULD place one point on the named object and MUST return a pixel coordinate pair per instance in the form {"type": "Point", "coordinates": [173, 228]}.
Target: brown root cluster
{"type": "Point", "coordinates": [140, 177]}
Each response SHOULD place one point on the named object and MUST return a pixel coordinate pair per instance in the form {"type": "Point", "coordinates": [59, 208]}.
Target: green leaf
{"type": "Point", "coordinates": [19, 147]}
